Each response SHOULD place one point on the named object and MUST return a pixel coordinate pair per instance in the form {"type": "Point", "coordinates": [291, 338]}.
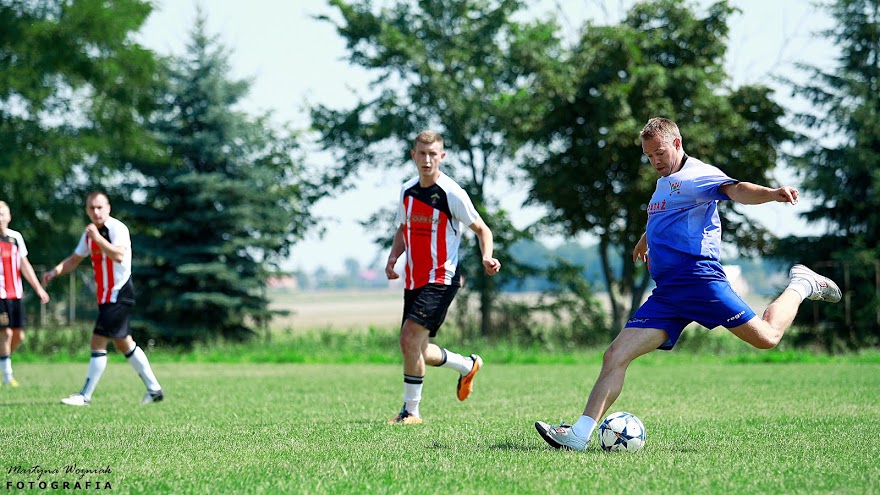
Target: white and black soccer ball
{"type": "Point", "coordinates": [622, 431]}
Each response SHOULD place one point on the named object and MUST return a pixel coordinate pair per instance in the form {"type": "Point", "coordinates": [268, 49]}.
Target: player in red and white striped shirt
{"type": "Point", "coordinates": [107, 242]}
{"type": "Point", "coordinates": [13, 264]}
{"type": "Point", "coordinates": [432, 214]}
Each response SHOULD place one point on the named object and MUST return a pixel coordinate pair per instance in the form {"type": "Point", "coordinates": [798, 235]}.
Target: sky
{"type": "Point", "coordinates": [294, 61]}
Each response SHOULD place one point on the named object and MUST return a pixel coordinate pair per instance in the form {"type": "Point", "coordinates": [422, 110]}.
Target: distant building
{"type": "Point", "coordinates": [284, 282]}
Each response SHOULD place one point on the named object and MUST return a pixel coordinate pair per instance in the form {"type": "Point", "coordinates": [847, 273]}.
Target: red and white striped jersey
{"type": "Point", "coordinates": [12, 251]}
{"type": "Point", "coordinates": [433, 220]}
{"type": "Point", "coordinates": [110, 275]}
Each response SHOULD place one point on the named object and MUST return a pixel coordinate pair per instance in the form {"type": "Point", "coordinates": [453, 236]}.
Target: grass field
{"type": "Point", "coordinates": [320, 428]}
{"type": "Point", "coordinates": [337, 309]}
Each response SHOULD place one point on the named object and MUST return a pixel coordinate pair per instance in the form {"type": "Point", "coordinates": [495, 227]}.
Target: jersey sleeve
{"type": "Point", "coordinates": [400, 218]}
{"type": "Point", "coordinates": [706, 185]}
{"type": "Point", "coordinates": [82, 249]}
{"type": "Point", "coordinates": [462, 208]}
{"type": "Point", "coordinates": [120, 235]}
{"type": "Point", "coordinates": [22, 248]}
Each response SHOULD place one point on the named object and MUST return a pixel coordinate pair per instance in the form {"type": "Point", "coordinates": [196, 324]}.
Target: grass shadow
{"type": "Point", "coordinates": [502, 446]}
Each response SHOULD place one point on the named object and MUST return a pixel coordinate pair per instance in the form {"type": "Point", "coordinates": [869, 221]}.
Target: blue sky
{"type": "Point", "coordinates": [294, 60]}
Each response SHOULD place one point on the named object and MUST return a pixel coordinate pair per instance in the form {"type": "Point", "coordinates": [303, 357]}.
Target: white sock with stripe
{"type": "Point", "coordinates": [412, 393]}
{"type": "Point", "coordinates": [459, 363]}
{"type": "Point", "coordinates": [141, 365]}
{"type": "Point", "coordinates": [97, 365]}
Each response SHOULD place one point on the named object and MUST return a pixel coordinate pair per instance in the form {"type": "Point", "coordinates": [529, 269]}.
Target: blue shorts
{"type": "Point", "coordinates": [699, 293]}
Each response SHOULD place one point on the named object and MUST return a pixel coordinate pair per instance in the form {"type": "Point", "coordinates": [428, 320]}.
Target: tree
{"type": "Point", "coordinates": [587, 166]}
{"type": "Point", "coordinates": [839, 161]}
{"type": "Point", "coordinates": [73, 88]}
{"type": "Point", "coordinates": [217, 209]}
{"type": "Point", "coordinates": [461, 67]}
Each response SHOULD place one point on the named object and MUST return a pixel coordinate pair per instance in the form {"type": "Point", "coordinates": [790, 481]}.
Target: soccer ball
{"type": "Point", "coordinates": [622, 431]}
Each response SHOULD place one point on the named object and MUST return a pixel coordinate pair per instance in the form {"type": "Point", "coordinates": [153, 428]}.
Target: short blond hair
{"type": "Point", "coordinates": [428, 137]}
{"type": "Point", "coordinates": [4, 205]}
{"type": "Point", "coordinates": [660, 126]}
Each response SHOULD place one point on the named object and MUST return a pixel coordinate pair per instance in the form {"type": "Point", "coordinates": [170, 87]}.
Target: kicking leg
{"type": "Point", "coordinates": [767, 331]}
{"type": "Point", "coordinates": [629, 344]}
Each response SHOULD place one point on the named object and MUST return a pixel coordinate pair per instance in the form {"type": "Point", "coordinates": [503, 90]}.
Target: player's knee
{"type": "Point", "coordinates": [404, 342]}
{"type": "Point", "coordinates": [409, 342]}
{"type": "Point", "coordinates": [613, 357]}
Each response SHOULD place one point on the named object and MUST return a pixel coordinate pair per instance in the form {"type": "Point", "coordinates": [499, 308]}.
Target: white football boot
{"type": "Point", "coordinates": [824, 289]}
{"type": "Point", "coordinates": [76, 400]}
{"type": "Point", "coordinates": [561, 437]}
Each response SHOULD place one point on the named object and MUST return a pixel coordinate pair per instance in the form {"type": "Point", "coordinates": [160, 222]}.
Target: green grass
{"type": "Point", "coordinates": [730, 428]}
{"type": "Point", "coordinates": [373, 345]}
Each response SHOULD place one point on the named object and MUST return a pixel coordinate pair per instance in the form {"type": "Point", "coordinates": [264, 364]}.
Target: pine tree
{"type": "Point", "coordinates": [220, 207]}
{"type": "Point", "coordinates": [839, 162]}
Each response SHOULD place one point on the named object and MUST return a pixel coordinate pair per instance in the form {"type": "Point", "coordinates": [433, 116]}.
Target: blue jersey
{"type": "Point", "coordinates": [683, 221]}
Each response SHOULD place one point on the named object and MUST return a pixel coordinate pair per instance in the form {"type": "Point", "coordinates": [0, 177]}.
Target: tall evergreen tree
{"type": "Point", "coordinates": [839, 160]}
{"type": "Point", "coordinates": [221, 205]}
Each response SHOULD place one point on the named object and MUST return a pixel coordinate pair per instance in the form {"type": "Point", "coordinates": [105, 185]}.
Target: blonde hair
{"type": "Point", "coordinates": [428, 137]}
{"type": "Point", "coordinates": [660, 126]}
{"type": "Point", "coordinates": [4, 205]}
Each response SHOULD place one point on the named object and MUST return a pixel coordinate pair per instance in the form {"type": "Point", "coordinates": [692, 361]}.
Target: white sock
{"type": "Point", "coordinates": [412, 393]}
{"type": "Point", "coordinates": [141, 365]}
{"type": "Point", "coordinates": [584, 427]}
{"type": "Point", "coordinates": [803, 287]}
{"type": "Point", "coordinates": [6, 366]}
{"type": "Point", "coordinates": [459, 363]}
{"type": "Point", "coordinates": [96, 368]}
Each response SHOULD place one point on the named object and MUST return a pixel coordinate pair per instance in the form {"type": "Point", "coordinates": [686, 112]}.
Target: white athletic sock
{"type": "Point", "coordinates": [412, 393]}
{"type": "Point", "coordinates": [459, 363]}
{"type": "Point", "coordinates": [802, 286]}
{"type": "Point", "coordinates": [141, 365]}
{"type": "Point", "coordinates": [97, 365]}
{"type": "Point", "coordinates": [584, 427]}
{"type": "Point", "coordinates": [6, 366]}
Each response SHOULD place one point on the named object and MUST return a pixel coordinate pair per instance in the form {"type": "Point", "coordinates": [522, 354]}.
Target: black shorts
{"type": "Point", "coordinates": [427, 305]}
{"type": "Point", "coordinates": [11, 313]}
{"type": "Point", "coordinates": [113, 320]}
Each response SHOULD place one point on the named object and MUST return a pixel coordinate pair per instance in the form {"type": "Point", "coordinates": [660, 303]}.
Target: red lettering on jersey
{"type": "Point", "coordinates": [655, 207]}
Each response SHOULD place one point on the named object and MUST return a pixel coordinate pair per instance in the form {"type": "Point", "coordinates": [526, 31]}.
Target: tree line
{"type": "Point", "coordinates": [217, 198]}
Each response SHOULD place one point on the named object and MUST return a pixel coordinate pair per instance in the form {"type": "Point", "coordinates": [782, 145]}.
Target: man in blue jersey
{"type": "Point", "coordinates": [682, 249]}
